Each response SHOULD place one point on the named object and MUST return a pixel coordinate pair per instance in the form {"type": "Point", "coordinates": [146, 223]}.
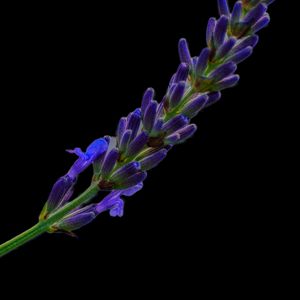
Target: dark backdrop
{"type": "Point", "coordinates": [68, 75]}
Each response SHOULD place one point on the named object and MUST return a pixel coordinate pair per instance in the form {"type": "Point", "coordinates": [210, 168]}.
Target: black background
{"type": "Point", "coordinates": [68, 75]}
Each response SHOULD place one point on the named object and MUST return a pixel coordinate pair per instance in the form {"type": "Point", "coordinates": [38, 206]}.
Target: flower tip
{"type": "Point", "coordinates": [132, 190]}
{"type": "Point", "coordinates": [182, 41]}
{"type": "Point", "coordinates": [213, 98]}
{"type": "Point", "coordinates": [223, 7]}
{"type": "Point", "coordinates": [262, 23]}
{"type": "Point", "coordinates": [137, 112]}
{"type": "Point", "coordinates": [118, 209]}
{"type": "Point", "coordinates": [184, 52]}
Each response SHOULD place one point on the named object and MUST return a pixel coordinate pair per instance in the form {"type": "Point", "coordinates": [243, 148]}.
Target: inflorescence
{"type": "Point", "coordinates": [145, 136]}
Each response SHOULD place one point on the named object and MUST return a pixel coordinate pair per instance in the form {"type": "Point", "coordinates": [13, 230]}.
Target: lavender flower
{"type": "Point", "coordinates": [93, 152]}
{"type": "Point", "coordinates": [145, 136]}
{"type": "Point", "coordinates": [63, 188]}
{"type": "Point", "coordinates": [83, 216]}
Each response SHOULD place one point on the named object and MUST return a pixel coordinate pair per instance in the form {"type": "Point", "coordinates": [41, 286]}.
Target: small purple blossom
{"type": "Point", "coordinates": [114, 203]}
{"type": "Point", "coordinates": [85, 159]}
{"type": "Point", "coordinates": [62, 190]}
{"type": "Point", "coordinates": [83, 216]}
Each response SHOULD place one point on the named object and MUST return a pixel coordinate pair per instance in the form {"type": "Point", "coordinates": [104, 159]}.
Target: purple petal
{"type": "Point", "coordinates": [107, 202]}
{"type": "Point", "coordinates": [97, 163]}
{"type": "Point", "coordinates": [113, 203]}
{"type": "Point", "coordinates": [96, 148]}
{"type": "Point", "coordinates": [118, 209]}
{"type": "Point", "coordinates": [78, 152]}
{"type": "Point", "coordinates": [93, 151]}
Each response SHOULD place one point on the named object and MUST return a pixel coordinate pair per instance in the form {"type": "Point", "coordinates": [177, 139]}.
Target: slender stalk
{"type": "Point", "coordinates": [45, 225]}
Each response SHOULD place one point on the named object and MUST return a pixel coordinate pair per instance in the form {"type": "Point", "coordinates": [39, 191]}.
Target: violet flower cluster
{"type": "Point", "coordinates": [145, 136]}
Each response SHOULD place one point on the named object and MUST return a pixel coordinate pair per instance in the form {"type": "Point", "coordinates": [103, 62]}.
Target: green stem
{"type": "Point", "coordinates": [44, 225]}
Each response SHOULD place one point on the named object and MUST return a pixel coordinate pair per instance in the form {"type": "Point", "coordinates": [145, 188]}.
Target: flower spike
{"type": "Point", "coordinates": [144, 138]}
